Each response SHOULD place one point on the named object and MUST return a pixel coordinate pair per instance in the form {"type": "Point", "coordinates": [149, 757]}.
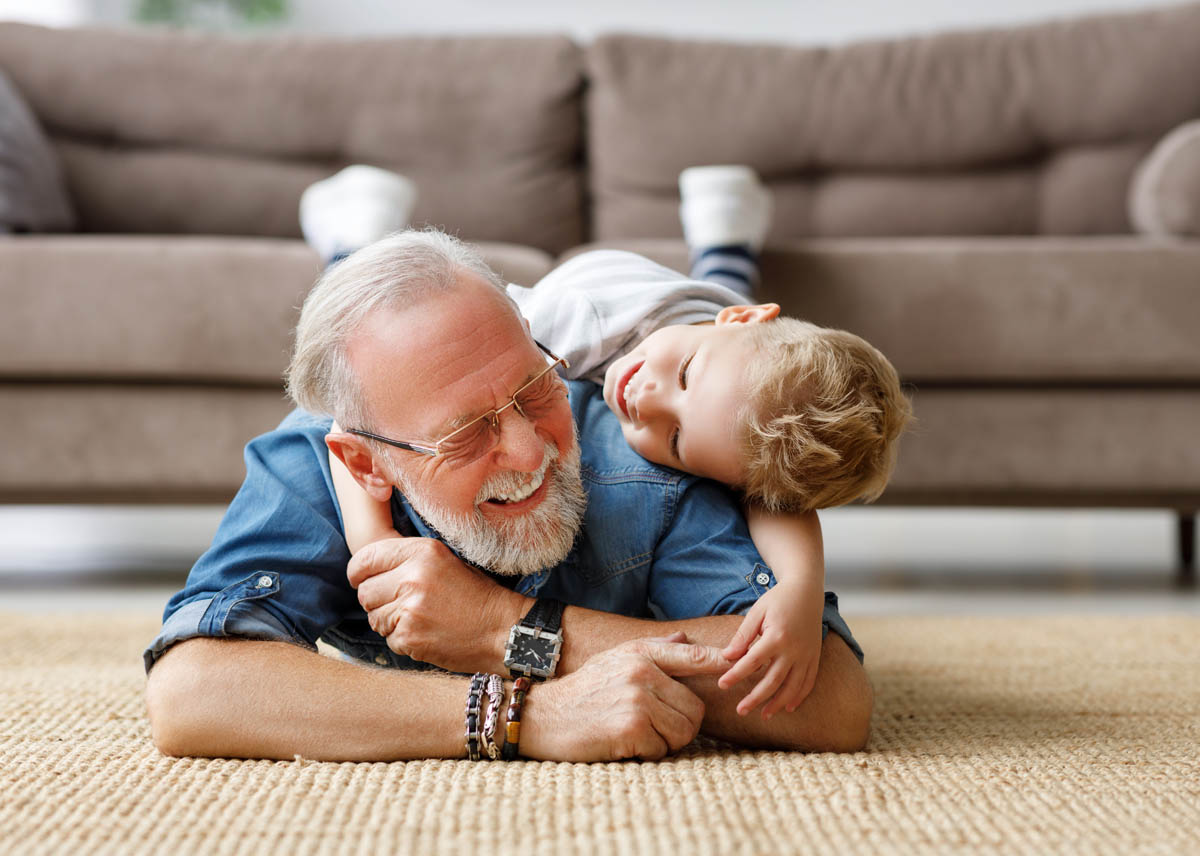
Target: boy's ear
{"type": "Point", "coordinates": [748, 314]}
{"type": "Point", "coordinates": [352, 451]}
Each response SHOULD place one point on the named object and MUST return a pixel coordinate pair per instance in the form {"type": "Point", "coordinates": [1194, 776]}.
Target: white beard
{"type": "Point", "coordinates": [514, 546]}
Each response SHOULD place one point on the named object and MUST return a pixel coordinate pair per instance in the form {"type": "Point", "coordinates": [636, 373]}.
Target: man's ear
{"type": "Point", "coordinates": [363, 467]}
{"type": "Point", "coordinates": [748, 314]}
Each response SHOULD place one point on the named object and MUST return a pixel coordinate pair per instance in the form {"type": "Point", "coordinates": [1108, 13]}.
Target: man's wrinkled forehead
{"type": "Point", "coordinates": [454, 352]}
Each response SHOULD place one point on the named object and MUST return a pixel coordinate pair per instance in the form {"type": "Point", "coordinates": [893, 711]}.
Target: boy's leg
{"type": "Point", "coordinates": [726, 213]}
{"type": "Point", "coordinates": [353, 208]}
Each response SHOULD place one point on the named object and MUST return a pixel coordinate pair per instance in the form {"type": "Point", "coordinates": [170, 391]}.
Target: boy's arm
{"type": "Point", "coordinates": [782, 630]}
{"type": "Point", "coordinates": [791, 545]}
{"type": "Point", "coordinates": [364, 519]}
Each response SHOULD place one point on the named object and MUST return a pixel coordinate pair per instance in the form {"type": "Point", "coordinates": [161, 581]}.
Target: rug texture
{"type": "Point", "coordinates": [1022, 736]}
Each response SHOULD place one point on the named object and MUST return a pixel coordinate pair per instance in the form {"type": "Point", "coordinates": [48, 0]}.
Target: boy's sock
{"type": "Point", "coordinates": [353, 208]}
{"type": "Point", "coordinates": [726, 213]}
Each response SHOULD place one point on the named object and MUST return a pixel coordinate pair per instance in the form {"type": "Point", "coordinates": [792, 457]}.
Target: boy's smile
{"type": "Point", "coordinates": [678, 397]}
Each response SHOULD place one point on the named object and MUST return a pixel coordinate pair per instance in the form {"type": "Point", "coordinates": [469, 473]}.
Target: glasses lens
{"type": "Point", "coordinates": [470, 442]}
{"type": "Point", "coordinates": [540, 395]}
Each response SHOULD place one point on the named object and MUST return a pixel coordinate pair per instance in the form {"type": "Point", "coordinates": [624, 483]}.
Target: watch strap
{"type": "Point", "coordinates": [545, 614]}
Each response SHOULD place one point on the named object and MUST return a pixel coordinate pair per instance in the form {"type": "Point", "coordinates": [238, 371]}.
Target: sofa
{"type": "Point", "coordinates": [961, 200]}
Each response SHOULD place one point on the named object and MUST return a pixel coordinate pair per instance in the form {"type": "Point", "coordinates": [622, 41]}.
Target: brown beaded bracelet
{"type": "Point", "coordinates": [512, 728]}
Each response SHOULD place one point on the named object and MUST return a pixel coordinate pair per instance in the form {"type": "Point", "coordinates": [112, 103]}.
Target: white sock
{"type": "Point", "coordinates": [723, 206]}
{"type": "Point", "coordinates": [353, 208]}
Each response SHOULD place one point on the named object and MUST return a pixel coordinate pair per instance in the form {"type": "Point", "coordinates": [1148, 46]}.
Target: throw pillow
{"type": "Point", "coordinates": [1164, 197]}
{"type": "Point", "coordinates": [33, 197]}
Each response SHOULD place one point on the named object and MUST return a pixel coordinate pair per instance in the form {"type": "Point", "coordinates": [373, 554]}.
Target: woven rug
{"type": "Point", "coordinates": [1022, 736]}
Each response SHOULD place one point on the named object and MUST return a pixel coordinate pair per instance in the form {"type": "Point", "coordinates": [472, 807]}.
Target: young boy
{"type": "Point", "coordinates": [794, 416]}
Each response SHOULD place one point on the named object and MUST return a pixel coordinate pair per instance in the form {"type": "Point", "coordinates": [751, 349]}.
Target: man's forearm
{"type": "Point", "coordinates": [841, 683]}
{"type": "Point", "coordinates": [252, 699]}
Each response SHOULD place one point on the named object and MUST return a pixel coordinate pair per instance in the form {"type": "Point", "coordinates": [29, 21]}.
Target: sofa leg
{"type": "Point", "coordinates": [1186, 575]}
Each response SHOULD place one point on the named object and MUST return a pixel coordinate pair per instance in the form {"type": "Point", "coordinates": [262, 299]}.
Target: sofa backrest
{"type": "Point", "coordinates": [1033, 130]}
{"type": "Point", "coordinates": [169, 132]}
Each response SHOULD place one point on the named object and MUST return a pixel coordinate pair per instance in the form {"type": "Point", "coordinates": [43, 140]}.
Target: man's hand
{"type": "Point", "coordinates": [621, 703]}
{"type": "Point", "coordinates": [428, 604]}
{"type": "Point", "coordinates": [786, 622]}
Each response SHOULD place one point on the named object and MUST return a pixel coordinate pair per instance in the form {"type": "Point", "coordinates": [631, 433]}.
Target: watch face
{"type": "Point", "coordinates": [537, 651]}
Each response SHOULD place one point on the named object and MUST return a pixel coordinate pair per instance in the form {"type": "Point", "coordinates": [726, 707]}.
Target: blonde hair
{"type": "Point", "coordinates": [397, 271]}
{"type": "Point", "coordinates": [824, 413]}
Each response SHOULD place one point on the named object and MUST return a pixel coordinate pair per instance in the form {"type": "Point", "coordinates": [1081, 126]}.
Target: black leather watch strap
{"type": "Point", "coordinates": [545, 614]}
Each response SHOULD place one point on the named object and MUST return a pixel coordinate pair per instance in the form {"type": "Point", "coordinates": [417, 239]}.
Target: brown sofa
{"type": "Point", "coordinates": [960, 200]}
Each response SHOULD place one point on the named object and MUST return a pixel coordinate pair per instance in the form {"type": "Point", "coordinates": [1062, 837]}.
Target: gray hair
{"type": "Point", "coordinates": [393, 273]}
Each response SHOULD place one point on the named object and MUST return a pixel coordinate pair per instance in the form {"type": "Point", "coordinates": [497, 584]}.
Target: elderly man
{"type": "Point", "coordinates": [490, 462]}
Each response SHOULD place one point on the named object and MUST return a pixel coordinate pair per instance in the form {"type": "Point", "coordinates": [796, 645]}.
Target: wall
{"type": "Point", "coordinates": [795, 21]}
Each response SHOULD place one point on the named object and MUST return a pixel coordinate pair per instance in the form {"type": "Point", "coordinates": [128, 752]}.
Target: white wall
{"type": "Point", "coordinates": [794, 21]}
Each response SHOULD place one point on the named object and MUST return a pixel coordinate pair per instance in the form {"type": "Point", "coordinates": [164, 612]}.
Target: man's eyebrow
{"type": "Point", "coordinates": [453, 424]}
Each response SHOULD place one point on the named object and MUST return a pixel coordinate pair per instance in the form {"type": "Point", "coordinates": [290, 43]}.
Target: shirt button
{"type": "Point", "coordinates": [762, 579]}
{"type": "Point", "coordinates": [381, 659]}
{"type": "Point", "coordinates": [263, 582]}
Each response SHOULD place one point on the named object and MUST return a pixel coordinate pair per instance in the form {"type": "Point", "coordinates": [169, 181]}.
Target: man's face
{"type": "Point", "coordinates": [427, 370]}
{"type": "Point", "coordinates": [678, 394]}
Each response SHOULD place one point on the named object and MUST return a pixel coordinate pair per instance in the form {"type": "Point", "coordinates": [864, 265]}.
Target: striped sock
{"type": "Point", "coordinates": [734, 267]}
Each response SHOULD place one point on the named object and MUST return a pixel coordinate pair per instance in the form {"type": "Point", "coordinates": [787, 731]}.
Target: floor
{"type": "Point", "coordinates": [880, 561]}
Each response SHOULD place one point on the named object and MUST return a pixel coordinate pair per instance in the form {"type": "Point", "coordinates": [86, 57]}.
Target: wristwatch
{"type": "Point", "coordinates": [534, 643]}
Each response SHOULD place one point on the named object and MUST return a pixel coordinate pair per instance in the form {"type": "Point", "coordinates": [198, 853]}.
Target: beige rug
{"type": "Point", "coordinates": [1027, 736]}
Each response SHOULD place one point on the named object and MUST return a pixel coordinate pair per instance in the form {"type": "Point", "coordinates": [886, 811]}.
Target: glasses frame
{"type": "Point", "coordinates": [492, 417]}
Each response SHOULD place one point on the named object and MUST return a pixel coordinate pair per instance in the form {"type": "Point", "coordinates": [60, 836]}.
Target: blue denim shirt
{"type": "Point", "coordinates": [655, 543]}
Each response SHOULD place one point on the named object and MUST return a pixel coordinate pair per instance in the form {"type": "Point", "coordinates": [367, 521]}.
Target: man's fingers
{"type": "Point", "coordinates": [676, 695]}
{"type": "Point", "coordinates": [765, 688]}
{"type": "Point", "coordinates": [680, 660]}
{"type": "Point", "coordinates": [672, 726]}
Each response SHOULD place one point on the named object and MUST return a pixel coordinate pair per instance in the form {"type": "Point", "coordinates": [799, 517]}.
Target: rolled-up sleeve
{"type": "Point", "coordinates": [277, 566]}
{"type": "Point", "coordinates": [705, 563]}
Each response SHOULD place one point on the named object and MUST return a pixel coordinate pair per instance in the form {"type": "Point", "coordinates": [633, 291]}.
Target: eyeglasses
{"type": "Point", "coordinates": [479, 436]}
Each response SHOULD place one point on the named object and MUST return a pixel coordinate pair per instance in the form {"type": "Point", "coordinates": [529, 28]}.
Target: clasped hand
{"type": "Point", "coordinates": [427, 603]}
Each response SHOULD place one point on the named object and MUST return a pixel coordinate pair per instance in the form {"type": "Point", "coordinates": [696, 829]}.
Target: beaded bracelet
{"type": "Point", "coordinates": [473, 695]}
{"type": "Point", "coordinates": [495, 694]}
{"type": "Point", "coordinates": [512, 728]}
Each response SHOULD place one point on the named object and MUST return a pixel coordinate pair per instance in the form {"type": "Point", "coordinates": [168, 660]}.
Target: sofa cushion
{"type": "Point", "coordinates": [1164, 198]}
{"type": "Point", "coordinates": [197, 133]}
{"type": "Point", "coordinates": [130, 443]}
{"type": "Point", "coordinates": [1030, 130]}
{"type": "Point", "coordinates": [188, 309]}
{"type": "Point", "coordinates": [32, 195]}
{"type": "Point", "coordinates": [1064, 446]}
{"type": "Point", "coordinates": [1114, 310]}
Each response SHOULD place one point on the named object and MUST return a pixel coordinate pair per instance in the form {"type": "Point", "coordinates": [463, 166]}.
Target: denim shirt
{"type": "Point", "coordinates": [655, 543]}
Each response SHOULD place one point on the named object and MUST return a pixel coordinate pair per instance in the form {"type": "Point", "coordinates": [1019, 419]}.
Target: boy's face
{"type": "Point", "coordinates": [678, 393]}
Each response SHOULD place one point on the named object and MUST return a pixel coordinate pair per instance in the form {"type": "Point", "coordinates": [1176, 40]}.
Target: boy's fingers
{"type": "Point", "coordinates": [750, 663]}
{"type": "Point", "coordinates": [765, 688]}
{"type": "Point", "coordinates": [789, 694]}
{"type": "Point", "coordinates": [806, 686]}
{"type": "Point", "coordinates": [742, 637]}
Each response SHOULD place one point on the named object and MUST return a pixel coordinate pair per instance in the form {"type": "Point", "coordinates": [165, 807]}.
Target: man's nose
{"type": "Point", "coordinates": [520, 448]}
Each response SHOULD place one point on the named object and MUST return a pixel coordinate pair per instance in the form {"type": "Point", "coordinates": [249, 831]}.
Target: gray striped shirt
{"type": "Point", "coordinates": [598, 305]}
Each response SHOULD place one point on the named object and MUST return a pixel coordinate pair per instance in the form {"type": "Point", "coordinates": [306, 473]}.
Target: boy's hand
{"type": "Point", "coordinates": [782, 631]}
